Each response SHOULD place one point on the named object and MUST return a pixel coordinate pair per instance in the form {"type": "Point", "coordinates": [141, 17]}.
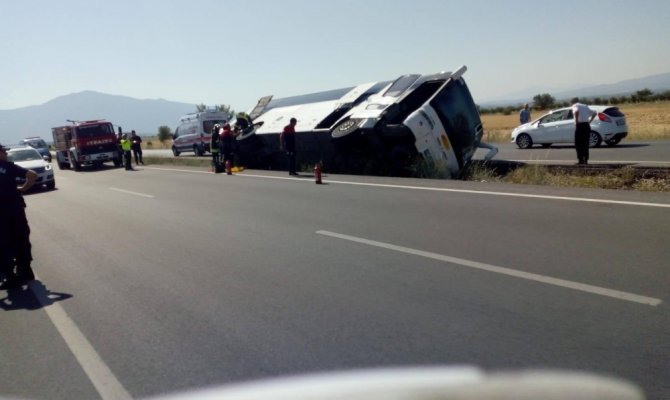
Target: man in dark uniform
{"type": "Point", "coordinates": [287, 142]}
{"type": "Point", "coordinates": [15, 248]}
{"type": "Point", "coordinates": [136, 146]}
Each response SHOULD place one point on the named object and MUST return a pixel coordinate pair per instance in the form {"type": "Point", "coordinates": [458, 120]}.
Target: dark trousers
{"type": "Point", "coordinates": [227, 153]}
{"type": "Point", "coordinates": [137, 154]}
{"type": "Point", "coordinates": [582, 134]}
{"type": "Point", "coordinates": [126, 159]}
{"type": "Point", "coordinates": [291, 162]}
{"type": "Point", "coordinates": [15, 244]}
{"type": "Point", "coordinates": [216, 158]}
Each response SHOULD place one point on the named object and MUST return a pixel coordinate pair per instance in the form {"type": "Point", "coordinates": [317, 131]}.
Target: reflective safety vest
{"type": "Point", "coordinates": [125, 144]}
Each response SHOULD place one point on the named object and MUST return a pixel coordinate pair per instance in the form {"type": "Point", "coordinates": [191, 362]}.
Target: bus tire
{"type": "Point", "coordinates": [249, 132]}
{"type": "Point", "coordinates": [345, 128]}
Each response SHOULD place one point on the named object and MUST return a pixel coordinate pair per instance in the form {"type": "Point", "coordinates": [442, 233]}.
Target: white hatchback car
{"type": "Point", "coordinates": [558, 126]}
{"type": "Point", "coordinates": [29, 158]}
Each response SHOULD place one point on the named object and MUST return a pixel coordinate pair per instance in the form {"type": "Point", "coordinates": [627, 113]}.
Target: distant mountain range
{"type": "Point", "coordinates": [144, 116]}
{"type": "Point", "coordinates": [655, 83]}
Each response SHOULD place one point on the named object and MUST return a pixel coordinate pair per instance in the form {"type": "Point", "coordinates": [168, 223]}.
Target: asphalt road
{"type": "Point", "coordinates": [646, 153]}
{"type": "Point", "coordinates": [163, 280]}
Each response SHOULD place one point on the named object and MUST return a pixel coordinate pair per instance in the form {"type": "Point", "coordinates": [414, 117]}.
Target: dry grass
{"type": "Point", "coordinates": [645, 121]}
{"type": "Point", "coordinates": [152, 143]}
{"type": "Point", "coordinates": [626, 178]}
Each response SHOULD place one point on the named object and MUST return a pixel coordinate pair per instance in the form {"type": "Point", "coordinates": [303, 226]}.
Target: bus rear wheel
{"type": "Point", "coordinates": [345, 128]}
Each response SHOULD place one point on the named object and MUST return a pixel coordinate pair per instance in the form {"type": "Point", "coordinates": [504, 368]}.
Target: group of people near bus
{"type": "Point", "coordinates": [221, 145]}
{"type": "Point", "coordinates": [223, 139]}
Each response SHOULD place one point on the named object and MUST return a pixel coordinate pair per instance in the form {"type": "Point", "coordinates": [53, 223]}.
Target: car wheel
{"type": "Point", "coordinates": [524, 141]}
{"type": "Point", "coordinates": [594, 139]}
{"type": "Point", "coordinates": [546, 145]}
{"type": "Point", "coordinates": [197, 150]}
{"type": "Point", "coordinates": [344, 128]}
{"type": "Point", "coordinates": [175, 151]}
{"type": "Point", "coordinates": [51, 185]}
{"type": "Point", "coordinates": [613, 142]}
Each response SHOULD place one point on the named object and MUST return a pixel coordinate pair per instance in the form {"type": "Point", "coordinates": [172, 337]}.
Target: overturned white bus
{"type": "Point", "coordinates": [385, 127]}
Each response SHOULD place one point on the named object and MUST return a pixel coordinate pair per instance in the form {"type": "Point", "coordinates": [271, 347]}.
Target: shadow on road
{"type": "Point", "coordinates": [32, 296]}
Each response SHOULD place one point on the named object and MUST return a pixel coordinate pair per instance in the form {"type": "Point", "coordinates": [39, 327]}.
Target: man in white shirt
{"type": "Point", "coordinates": [583, 116]}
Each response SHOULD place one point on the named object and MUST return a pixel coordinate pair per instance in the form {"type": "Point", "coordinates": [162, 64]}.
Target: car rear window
{"type": "Point", "coordinates": [613, 112]}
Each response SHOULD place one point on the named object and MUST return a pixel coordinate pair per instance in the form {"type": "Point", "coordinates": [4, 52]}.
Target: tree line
{"type": "Point", "coordinates": [546, 101]}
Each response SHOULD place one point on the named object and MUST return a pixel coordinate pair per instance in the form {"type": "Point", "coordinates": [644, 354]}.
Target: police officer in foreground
{"type": "Point", "coordinates": [15, 248]}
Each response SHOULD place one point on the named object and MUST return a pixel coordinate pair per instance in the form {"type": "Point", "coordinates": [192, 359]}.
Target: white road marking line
{"type": "Point", "coordinates": [502, 270]}
{"type": "Point", "coordinates": [133, 193]}
{"type": "Point", "coordinates": [436, 189]}
{"type": "Point", "coordinates": [491, 193]}
{"type": "Point", "coordinates": [191, 171]}
{"type": "Point", "coordinates": [95, 368]}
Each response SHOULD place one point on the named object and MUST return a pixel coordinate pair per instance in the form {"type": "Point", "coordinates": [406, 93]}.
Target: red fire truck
{"type": "Point", "coordinates": [85, 143]}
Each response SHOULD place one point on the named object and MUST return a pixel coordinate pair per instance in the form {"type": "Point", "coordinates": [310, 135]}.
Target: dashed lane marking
{"type": "Point", "coordinates": [502, 270]}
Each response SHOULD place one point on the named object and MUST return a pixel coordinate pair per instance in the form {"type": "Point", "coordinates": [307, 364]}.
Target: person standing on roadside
{"type": "Point", "coordinates": [15, 247]}
{"type": "Point", "coordinates": [215, 147]}
{"type": "Point", "coordinates": [524, 114]}
{"type": "Point", "coordinates": [126, 146]}
{"type": "Point", "coordinates": [136, 146]}
{"type": "Point", "coordinates": [287, 142]}
{"type": "Point", "coordinates": [227, 144]}
{"type": "Point", "coordinates": [583, 116]}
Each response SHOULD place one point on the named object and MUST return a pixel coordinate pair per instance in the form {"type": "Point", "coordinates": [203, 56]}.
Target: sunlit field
{"type": "Point", "coordinates": [645, 121]}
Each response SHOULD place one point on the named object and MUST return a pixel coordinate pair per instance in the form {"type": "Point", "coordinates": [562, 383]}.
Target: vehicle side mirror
{"type": "Point", "coordinates": [45, 158]}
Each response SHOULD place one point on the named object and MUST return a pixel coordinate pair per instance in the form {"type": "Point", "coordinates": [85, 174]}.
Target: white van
{"type": "Point", "coordinates": [195, 130]}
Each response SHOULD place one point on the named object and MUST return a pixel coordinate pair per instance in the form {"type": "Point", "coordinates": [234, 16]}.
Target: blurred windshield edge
{"type": "Point", "coordinates": [429, 383]}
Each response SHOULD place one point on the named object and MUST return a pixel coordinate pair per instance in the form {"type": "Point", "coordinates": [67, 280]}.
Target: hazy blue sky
{"type": "Point", "coordinates": [233, 52]}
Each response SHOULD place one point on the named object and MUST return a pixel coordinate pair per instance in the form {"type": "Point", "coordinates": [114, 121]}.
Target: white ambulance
{"type": "Point", "coordinates": [195, 130]}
